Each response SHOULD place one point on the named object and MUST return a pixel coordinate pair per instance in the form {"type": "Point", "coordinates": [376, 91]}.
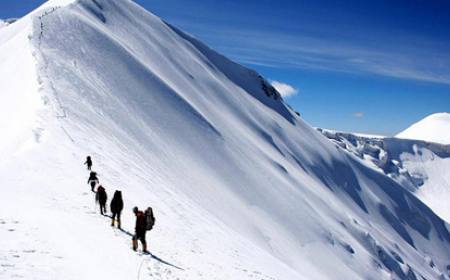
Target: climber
{"type": "Point", "coordinates": [116, 208]}
{"type": "Point", "coordinates": [93, 180]}
{"type": "Point", "coordinates": [140, 230]}
{"type": "Point", "coordinates": [101, 197]}
{"type": "Point", "coordinates": [88, 162]}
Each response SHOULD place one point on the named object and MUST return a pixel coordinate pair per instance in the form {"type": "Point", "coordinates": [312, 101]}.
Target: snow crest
{"type": "Point", "coordinates": [434, 128]}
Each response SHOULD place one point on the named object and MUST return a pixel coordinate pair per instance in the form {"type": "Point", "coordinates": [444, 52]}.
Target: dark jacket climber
{"type": "Point", "coordinates": [88, 162]}
{"type": "Point", "coordinates": [116, 207]}
{"type": "Point", "coordinates": [93, 180]}
{"type": "Point", "coordinates": [101, 197]}
{"type": "Point", "coordinates": [140, 230]}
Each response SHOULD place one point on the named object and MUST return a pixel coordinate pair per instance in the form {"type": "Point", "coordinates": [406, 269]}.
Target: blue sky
{"type": "Point", "coordinates": [364, 66]}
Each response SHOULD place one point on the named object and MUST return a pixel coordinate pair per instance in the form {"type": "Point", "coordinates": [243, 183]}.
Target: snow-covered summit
{"type": "Point", "coordinates": [242, 188]}
{"type": "Point", "coordinates": [434, 128]}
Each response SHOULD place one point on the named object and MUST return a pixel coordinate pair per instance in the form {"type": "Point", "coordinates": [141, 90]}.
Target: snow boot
{"type": "Point", "coordinates": [144, 250]}
{"type": "Point", "coordinates": [135, 245]}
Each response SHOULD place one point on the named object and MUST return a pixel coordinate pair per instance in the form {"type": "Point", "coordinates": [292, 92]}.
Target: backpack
{"type": "Point", "coordinates": [149, 218]}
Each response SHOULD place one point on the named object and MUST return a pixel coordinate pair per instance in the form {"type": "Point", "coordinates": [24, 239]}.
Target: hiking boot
{"type": "Point", "coordinates": [144, 250]}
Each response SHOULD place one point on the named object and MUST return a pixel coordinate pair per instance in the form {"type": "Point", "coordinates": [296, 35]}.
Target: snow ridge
{"type": "Point", "coordinates": [434, 128]}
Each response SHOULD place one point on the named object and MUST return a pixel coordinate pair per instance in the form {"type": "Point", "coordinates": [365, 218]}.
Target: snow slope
{"type": "Point", "coordinates": [434, 128]}
{"type": "Point", "coordinates": [421, 167]}
{"type": "Point", "coordinates": [242, 188]}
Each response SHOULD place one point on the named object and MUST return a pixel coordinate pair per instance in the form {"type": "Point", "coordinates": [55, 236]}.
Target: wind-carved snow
{"type": "Point", "coordinates": [421, 167]}
{"type": "Point", "coordinates": [434, 128]}
{"type": "Point", "coordinates": [242, 188]}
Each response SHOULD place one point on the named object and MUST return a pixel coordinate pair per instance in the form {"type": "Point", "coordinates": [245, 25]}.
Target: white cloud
{"type": "Point", "coordinates": [358, 115]}
{"type": "Point", "coordinates": [284, 89]}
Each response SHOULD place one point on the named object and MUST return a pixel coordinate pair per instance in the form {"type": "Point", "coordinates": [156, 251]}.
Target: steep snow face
{"type": "Point", "coordinates": [421, 167]}
{"type": "Point", "coordinates": [19, 101]}
{"type": "Point", "coordinates": [241, 187]}
{"type": "Point", "coordinates": [434, 128]}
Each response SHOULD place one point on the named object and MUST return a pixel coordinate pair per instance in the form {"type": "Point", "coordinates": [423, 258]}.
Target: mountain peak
{"type": "Point", "coordinates": [433, 128]}
{"type": "Point", "coordinates": [440, 116]}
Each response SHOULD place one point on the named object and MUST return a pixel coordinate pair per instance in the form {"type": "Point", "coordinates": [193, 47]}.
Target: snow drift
{"type": "Point", "coordinates": [242, 188]}
{"type": "Point", "coordinates": [434, 128]}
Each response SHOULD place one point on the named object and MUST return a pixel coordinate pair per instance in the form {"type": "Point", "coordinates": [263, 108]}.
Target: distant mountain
{"type": "Point", "coordinates": [434, 128]}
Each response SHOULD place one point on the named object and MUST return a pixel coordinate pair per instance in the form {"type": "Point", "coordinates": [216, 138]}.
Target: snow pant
{"type": "Point", "coordinates": [114, 215]}
{"type": "Point", "coordinates": [139, 235]}
{"type": "Point", "coordinates": [93, 186]}
{"type": "Point", "coordinates": [102, 208]}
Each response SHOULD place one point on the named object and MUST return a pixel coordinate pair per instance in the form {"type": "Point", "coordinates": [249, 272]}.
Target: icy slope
{"type": "Point", "coordinates": [242, 188]}
{"type": "Point", "coordinates": [434, 128]}
{"type": "Point", "coordinates": [421, 167]}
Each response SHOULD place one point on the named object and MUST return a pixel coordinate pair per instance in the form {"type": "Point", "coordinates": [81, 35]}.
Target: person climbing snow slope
{"type": "Point", "coordinates": [140, 230]}
{"type": "Point", "coordinates": [93, 180]}
{"type": "Point", "coordinates": [116, 208]}
{"type": "Point", "coordinates": [88, 162]}
{"type": "Point", "coordinates": [101, 197]}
